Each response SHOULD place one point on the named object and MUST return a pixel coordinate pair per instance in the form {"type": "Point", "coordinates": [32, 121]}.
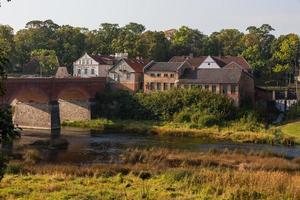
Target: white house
{"type": "Point", "coordinates": [94, 65]}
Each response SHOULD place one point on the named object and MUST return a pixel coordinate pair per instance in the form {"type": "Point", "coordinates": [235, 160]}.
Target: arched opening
{"type": "Point", "coordinates": [74, 105]}
{"type": "Point", "coordinates": [31, 109]}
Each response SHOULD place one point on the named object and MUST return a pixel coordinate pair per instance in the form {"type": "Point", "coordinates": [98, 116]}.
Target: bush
{"type": "Point", "coordinates": [183, 117]}
{"type": "Point", "coordinates": [207, 120]}
{"type": "Point", "coordinates": [294, 112]}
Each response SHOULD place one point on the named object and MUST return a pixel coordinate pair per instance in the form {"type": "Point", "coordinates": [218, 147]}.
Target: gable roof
{"type": "Point", "coordinates": [212, 76]}
{"type": "Point", "coordinates": [137, 64]}
{"type": "Point", "coordinates": [104, 60]}
{"type": "Point", "coordinates": [222, 61]}
{"type": "Point", "coordinates": [164, 66]}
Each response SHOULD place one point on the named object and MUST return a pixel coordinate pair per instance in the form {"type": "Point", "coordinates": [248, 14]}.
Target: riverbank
{"type": "Point", "coordinates": [292, 129]}
{"type": "Point", "coordinates": [159, 173]}
{"type": "Point", "coordinates": [233, 131]}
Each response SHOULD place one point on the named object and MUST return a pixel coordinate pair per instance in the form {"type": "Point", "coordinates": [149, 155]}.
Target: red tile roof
{"type": "Point", "coordinates": [104, 60]}
{"type": "Point", "coordinates": [137, 64]}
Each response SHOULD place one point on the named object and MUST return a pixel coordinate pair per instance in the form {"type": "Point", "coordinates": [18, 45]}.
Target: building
{"type": "Point", "coordinates": [128, 74]}
{"type": "Point", "coordinates": [95, 65]}
{"type": "Point", "coordinates": [62, 72]}
{"type": "Point", "coordinates": [230, 76]}
{"type": "Point", "coordinates": [162, 76]}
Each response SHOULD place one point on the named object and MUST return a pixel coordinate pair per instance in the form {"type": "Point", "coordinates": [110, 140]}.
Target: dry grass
{"type": "Point", "coordinates": [161, 173]}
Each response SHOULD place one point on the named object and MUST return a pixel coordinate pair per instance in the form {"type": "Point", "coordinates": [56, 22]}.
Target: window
{"type": "Point", "coordinates": [172, 85]}
{"type": "Point", "coordinates": [79, 72]}
{"type": "Point", "coordinates": [214, 89]}
{"type": "Point", "coordinates": [158, 75]}
{"type": "Point", "coordinates": [93, 71]}
{"type": "Point", "coordinates": [166, 86]}
{"type": "Point", "coordinates": [79, 62]}
{"type": "Point", "coordinates": [158, 86]}
{"type": "Point", "coordinates": [225, 89]}
{"type": "Point", "coordinates": [91, 62]}
{"type": "Point", "coordinates": [166, 75]}
{"type": "Point", "coordinates": [152, 75]}
{"type": "Point", "coordinates": [206, 87]}
{"type": "Point", "coordinates": [116, 77]}
{"type": "Point", "coordinates": [172, 75]}
{"type": "Point", "coordinates": [85, 71]}
{"type": "Point", "coordinates": [233, 89]}
{"type": "Point", "coordinates": [128, 76]}
{"type": "Point", "coordinates": [151, 86]}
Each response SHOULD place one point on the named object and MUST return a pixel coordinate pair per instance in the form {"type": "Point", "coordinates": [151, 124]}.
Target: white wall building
{"type": "Point", "coordinates": [93, 66]}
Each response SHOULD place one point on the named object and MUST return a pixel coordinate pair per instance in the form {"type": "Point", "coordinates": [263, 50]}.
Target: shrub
{"type": "Point", "coordinates": [183, 117]}
{"type": "Point", "coordinates": [207, 120]}
{"type": "Point", "coordinates": [32, 156]}
{"type": "Point", "coordinates": [294, 112]}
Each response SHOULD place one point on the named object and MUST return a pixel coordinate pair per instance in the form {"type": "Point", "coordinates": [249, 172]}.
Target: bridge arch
{"type": "Point", "coordinates": [74, 104]}
{"type": "Point", "coordinates": [31, 108]}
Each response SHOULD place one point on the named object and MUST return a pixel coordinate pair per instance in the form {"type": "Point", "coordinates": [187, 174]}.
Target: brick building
{"type": "Point", "coordinates": [230, 76]}
{"type": "Point", "coordinates": [128, 74]}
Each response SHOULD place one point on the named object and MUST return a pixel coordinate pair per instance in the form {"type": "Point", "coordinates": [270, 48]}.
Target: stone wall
{"type": "Point", "coordinates": [74, 110]}
{"type": "Point", "coordinates": [32, 115]}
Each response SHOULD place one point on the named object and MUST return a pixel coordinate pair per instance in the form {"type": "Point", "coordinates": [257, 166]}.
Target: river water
{"type": "Point", "coordinates": [87, 146]}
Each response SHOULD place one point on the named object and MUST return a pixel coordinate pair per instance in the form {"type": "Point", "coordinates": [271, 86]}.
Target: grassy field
{"type": "Point", "coordinates": [232, 131]}
{"type": "Point", "coordinates": [292, 129]}
{"type": "Point", "coordinates": [160, 174]}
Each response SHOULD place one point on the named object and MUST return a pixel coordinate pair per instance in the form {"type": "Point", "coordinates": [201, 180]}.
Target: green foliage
{"type": "Point", "coordinates": [186, 41]}
{"type": "Point", "coordinates": [47, 60]}
{"type": "Point", "coordinates": [294, 112]}
{"type": "Point", "coordinates": [163, 105]}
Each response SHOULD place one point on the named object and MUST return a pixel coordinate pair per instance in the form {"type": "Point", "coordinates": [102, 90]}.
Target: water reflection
{"type": "Point", "coordinates": [82, 146]}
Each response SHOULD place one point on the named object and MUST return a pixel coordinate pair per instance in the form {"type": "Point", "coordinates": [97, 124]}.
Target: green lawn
{"type": "Point", "coordinates": [292, 129]}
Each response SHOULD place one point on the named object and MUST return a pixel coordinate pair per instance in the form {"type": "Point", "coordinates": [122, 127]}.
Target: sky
{"type": "Point", "coordinates": [206, 15]}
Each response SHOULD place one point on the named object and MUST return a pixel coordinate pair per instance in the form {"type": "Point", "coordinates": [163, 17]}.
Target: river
{"type": "Point", "coordinates": [86, 147]}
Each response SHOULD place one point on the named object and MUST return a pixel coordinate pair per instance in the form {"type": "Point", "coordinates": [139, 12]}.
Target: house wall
{"type": "Point", "coordinates": [86, 64]}
{"type": "Point", "coordinates": [122, 76]}
{"type": "Point", "coordinates": [151, 78]}
{"type": "Point", "coordinates": [209, 63]}
{"type": "Point", "coordinates": [219, 89]}
{"type": "Point", "coordinates": [247, 88]}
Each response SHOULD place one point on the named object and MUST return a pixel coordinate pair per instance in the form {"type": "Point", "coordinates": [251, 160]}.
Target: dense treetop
{"type": "Point", "coordinates": [272, 57]}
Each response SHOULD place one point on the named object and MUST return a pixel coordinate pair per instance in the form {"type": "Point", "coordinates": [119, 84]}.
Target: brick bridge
{"type": "Point", "coordinates": [46, 102]}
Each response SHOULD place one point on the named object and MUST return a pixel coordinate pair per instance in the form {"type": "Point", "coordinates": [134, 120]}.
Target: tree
{"type": "Point", "coordinates": [36, 35]}
{"type": "Point", "coordinates": [287, 53]}
{"type": "Point", "coordinates": [47, 59]}
{"type": "Point", "coordinates": [189, 40]}
{"type": "Point", "coordinates": [70, 44]}
{"type": "Point", "coordinates": [100, 42]}
{"type": "Point", "coordinates": [229, 41]}
{"type": "Point", "coordinates": [153, 45]}
{"type": "Point", "coordinates": [8, 45]}
{"type": "Point", "coordinates": [7, 129]}
{"type": "Point", "coordinates": [258, 48]}
{"type": "Point", "coordinates": [127, 38]}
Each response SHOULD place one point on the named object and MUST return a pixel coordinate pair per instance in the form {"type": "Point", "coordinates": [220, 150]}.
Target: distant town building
{"type": "Point", "coordinates": [128, 74]}
{"type": "Point", "coordinates": [93, 66]}
{"type": "Point", "coordinates": [230, 76]}
{"type": "Point", "coordinates": [170, 33]}
{"type": "Point", "coordinates": [163, 75]}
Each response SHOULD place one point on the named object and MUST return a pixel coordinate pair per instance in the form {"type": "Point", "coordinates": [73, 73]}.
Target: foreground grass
{"type": "Point", "coordinates": [233, 131]}
{"type": "Point", "coordinates": [292, 129]}
{"type": "Point", "coordinates": [160, 173]}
